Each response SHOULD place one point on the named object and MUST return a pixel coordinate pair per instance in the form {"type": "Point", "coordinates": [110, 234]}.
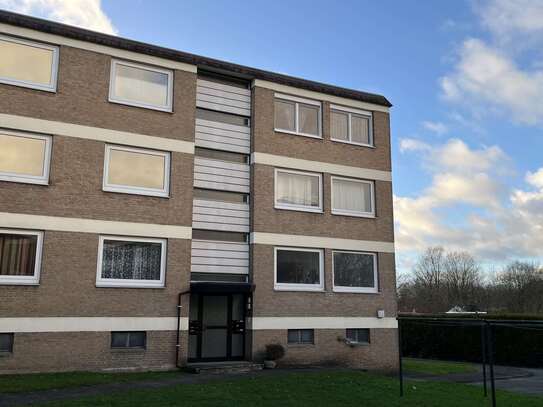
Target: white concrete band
{"type": "Point", "coordinates": [89, 46]}
{"type": "Point", "coordinates": [91, 324]}
{"type": "Point", "coordinates": [24, 123]}
{"type": "Point", "coordinates": [319, 96]}
{"type": "Point", "coordinates": [260, 323]}
{"type": "Point", "coordinates": [318, 166]}
{"type": "Point", "coordinates": [80, 225]}
{"type": "Point", "coordinates": [319, 242]}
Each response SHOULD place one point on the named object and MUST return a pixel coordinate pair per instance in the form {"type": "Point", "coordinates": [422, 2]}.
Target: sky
{"type": "Point", "coordinates": [465, 79]}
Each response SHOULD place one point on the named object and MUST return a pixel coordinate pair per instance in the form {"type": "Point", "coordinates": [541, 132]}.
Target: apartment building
{"type": "Point", "coordinates": [159, 208]}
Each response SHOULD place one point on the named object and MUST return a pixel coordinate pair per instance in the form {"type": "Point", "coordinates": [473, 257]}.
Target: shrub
{"type": "Point", "coordinates": [274, 351]}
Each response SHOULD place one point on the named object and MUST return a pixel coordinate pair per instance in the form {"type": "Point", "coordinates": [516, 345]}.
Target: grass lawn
{"type": "Point", "coordinates": [307, 389]}
{"type": "Point", "coordinates": [437, 367]}
{"type": "Point", "coordinates": [45, 381]}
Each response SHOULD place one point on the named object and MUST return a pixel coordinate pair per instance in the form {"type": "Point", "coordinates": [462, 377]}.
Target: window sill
{"type": "Point", "coordinates": [354, 291]}
{"type": "Point", "coordinates": [335, 140]}
{"type": "Point", "coordinates": [23, 180]}
{"type": "Point", "coordinates": [298, 289]}
{"type": "Point", "coordinates": [117, 285]}
{"type": "Point", "coordinates": [29, 85]}
{"type": "Point", "coordinates": [290, 208]}
{"type": "Point", "coordinates": [128, 350]}
{"type": "Point", "coordinates": [165, 109]}
{"type": "Point", "coordinates": [357, 344]}
{"type": "Point", "coordinates": [300, 345]}
{"type": "Point", "coordinates": [294, 133]}
{"type": "Point", "coordinates": [20, 282]}
{"type": "Point", "coordinates": [354, 215]}
{"type": "Point", "coordinates": [155, 194]}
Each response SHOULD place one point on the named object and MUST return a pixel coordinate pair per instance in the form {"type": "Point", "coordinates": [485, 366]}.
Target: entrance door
{"type": "Point", "coordinates": [216, 327]}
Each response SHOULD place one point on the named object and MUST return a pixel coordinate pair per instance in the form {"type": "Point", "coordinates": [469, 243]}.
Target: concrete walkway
{"type": "Point", "coordinates": [521, 380]}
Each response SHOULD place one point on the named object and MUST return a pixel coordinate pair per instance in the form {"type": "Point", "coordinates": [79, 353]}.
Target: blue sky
{"type": "Point", "coordinates": [465, 78]}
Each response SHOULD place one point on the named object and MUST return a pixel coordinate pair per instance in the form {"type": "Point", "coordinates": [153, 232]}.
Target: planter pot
{"type": "Point", "coordinates": [270, 364]}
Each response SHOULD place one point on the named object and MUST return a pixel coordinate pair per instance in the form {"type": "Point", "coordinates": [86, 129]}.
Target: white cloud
{"type": "Point", "coordinates": [485, 75]}
{"type": "Point", "coordinates": [512, 21]}
{"type": "Point", "coordinates": [490, 220]}
{"type": "Point", "coordinates": [410, 144]}
{"type": "Point", "coordinates": [80, 13]}
{"type": "Point", "coordinates": [435, 127]}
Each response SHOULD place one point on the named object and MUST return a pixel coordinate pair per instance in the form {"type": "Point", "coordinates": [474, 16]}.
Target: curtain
{"type": "Point", "coordinates": [131, 260]}
{"type": "Point", "coordinates": [284, 115]}
{"type": "Point", "coordinates": [339, 125]}
{"type": "Point", "coordinates": [351, 196]}
{"type": "Point", "coordinates": [360, 129]}
{"type": "Point", "coordinates": [297, 189]}
{"type": "Point", "coordinates": [17, 255]}
{"type": "Point", "coordinates": [309, 119]}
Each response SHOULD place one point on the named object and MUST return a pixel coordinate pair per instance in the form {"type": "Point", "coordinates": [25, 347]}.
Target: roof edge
{"type": "Point", "coordinates": [81, 34]}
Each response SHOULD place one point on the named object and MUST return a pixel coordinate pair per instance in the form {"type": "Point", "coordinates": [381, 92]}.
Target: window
{"type": "Point", "coordinates": [29, 64]}
{"type": "Point", "coordinates": [299, 191]}
{"type": "Point", "coordinates": [221, 117]}
{"type": "Point", "coordinates": [354, 272]}
{"type": "Point", "coordinates": [131, 262]}
{"type": "Point", "coordinates": [301, 336]}
{"type": "Point", "coordinates": [359, 335]}
{"type": "Point", "coordinates": [351, 126]}
{"type": "Point", "coordinates": [24, 157]}
{"type": "Point", "coordinates": [221, 155]}
{"type": "Point", "coordinates": [297, 116]}
{"type": "Point", "coordinates": [218, 277]}
{"type": "Point", "coordinates": [219, 235]}
{"type": "Point", "coordinates": [141, 85]}
{"type": "Point", "coordinates": [120, 340]}
{"type": "Point", "coordinates": [6, 343]}
{"type": "Point", "coordinates": [20, 256]}
{"type": "Point", "coordinates": [352, 197]}
{"type": "Point", "coordinates": [222, 196]}
{"type": "Point", "coordinates": [136, 171]}
{"type": "Point", "coordinates": [299, 269]}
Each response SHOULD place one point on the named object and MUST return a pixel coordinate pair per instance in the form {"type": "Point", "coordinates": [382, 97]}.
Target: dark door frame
{"type": "Point", "coordinates": [229, 328]}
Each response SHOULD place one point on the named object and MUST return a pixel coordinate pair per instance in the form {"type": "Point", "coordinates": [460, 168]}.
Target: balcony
{"type": "Point", "coordinates": [223, 216]}
{"type": "Point", "coordinates": [219, 257]}
{"type": "Point", "coordinates": [223, 98]}
{"type": "Point", "coordinates": [221, 175]}
{"type": "Point", "coordinates": [223, 136]}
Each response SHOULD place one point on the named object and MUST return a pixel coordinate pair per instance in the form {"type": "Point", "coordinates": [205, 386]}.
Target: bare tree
{"type": "Point", "coordinates": [520, 286]}
{"type": "Point", "coordinates": [428, 280]}
{"type": "Point", "coordinates": [462, 277]}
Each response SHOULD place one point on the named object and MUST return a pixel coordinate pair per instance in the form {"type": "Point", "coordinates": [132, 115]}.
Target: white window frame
{"type": "Point", "coordinates": [26, 280]}
{"type": "Point", "coordinates": [30, 179]}
{"type": "Point", "coordinates": [128, 189]}
{"type": "Point", "coordinates": [297, 101]}
{"type": "Point", "coordinates": [364, 290]}
{"type": "Point", "coordinates": [52, 87]}
{"type": "Point", "coordinates": [168, 107]}
{"type": "Point", "coordinates": [357, 342]}
{"type": "Point", "coordinates": [293, 286]}
{"type": "Point", "coordinates": [293, 207]}
{"type": "Point", "coordinates": [117, 282]}
{"type": "Point", "coordinates": [350, 112]}
{"type": "Point", "coordinates": [345, 212]}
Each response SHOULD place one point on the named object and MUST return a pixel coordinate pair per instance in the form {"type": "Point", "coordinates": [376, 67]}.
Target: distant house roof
{"type": "Point", "coordinates": [180, 56]}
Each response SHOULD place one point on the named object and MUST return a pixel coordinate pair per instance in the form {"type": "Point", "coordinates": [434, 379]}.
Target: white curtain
{"type": "Point", "coordinates": [309, 119]}
{"type": "Point", "coordinates": [351, 196]}
{"type": "Point", "coordinates": [339, 125]}
{"type": "Point", "coordinates": [284, 115]}
{"type": "Point", "coordinates": [360, 129]}
{"type": "Point", "coordinates": [297, 189]}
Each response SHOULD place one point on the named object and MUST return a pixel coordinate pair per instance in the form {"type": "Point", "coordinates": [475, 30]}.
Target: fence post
{"type": "Point", "coordinates": [400, 367]}
{"type": "Point", "coordinates": [491, 361]}
{"type": "Point", "coordinates": [483, 354]}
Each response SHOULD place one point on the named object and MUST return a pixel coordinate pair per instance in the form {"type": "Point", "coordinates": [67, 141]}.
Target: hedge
{"type": "Point", "coordinates": [514, 346]}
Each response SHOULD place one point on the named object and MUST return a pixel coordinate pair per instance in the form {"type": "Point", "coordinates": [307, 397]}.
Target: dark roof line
{"type": "Point", "coordinates": [200, 61]}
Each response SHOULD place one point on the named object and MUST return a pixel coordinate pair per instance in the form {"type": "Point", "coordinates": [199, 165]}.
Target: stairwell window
{"type": "Point", "coordinates": [353, 197]}
{"type": "Point", "coordinates": [131, 262]}
{"type": "Point", "coordinates": [354, 272]}
{"type": "Point", "coordinates": [297, 116]}
{"type": "Point", "coordinates": [136, 171]}
{"type": "Point", "coordinates": [299, 269]}
{"type": "Point", "coordinates": [24, 157]}
{"type": "Point", "coordinates": [20, 256]}
{"type": "Point", "coordinates": [351, 126]}
{"type": "Point", "coordinates": [141, 85]}
{"type": "Point", "coordinates": [298, 191]}
{"type": "Point", "coordinates": [29, 64]}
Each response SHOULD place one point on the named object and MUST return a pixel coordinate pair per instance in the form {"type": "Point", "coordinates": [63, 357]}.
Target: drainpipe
{"type": "Point", "coordinates": [177, 345]}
